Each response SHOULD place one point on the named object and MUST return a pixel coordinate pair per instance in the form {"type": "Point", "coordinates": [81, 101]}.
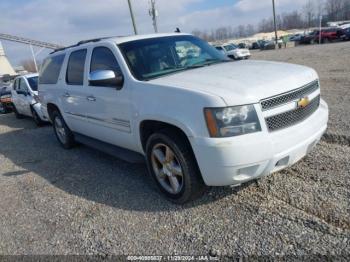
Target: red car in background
{"type": "Point", "coordinates": [328, 35]}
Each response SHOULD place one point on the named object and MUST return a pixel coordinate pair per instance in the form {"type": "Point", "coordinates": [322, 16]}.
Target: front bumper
{"type": "Point", "coordinates": [37, 108]}
{"type": "Point", "coordinates": [241, 56]}
{"type": "Point", "coordinates": [235, 160]}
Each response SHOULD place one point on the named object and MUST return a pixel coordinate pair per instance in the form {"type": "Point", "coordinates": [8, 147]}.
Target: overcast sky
{"type": "Point", "coordinates": [68, 21]}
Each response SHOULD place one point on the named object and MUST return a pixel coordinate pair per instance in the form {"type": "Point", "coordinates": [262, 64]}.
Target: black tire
{"type": "Point", "coordinates": [193, 185]}
{"type": "Point", "coordinates": [36, 118]}
{"type": "Point", "coordinates": [68, 141]}
{"type": "Point", "coordinates": [18, 115]}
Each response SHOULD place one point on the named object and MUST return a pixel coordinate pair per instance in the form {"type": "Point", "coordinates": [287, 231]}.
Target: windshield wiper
{"type": "Point", "coordinates": [206, 62]}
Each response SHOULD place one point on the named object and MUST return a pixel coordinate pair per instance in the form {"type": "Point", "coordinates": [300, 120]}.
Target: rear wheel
{"type": "Point", "coordinates": [173, 167]}
{"type": "Point", "coordinates": [63, 134]}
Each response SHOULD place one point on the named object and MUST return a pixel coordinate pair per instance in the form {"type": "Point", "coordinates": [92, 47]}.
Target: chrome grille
{"type": "Point", "coordinates": [292, 117]}
{"type": "Point", "coordinates": [275, 101]}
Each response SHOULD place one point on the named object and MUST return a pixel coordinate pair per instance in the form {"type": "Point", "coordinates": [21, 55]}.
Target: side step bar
{"type": "Point", "coordinates": [119, 152]}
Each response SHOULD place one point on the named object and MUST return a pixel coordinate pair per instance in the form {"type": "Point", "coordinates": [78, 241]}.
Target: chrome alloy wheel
{"type": "Point", "coordinates": [60, 130]}
{"type": "Point", "coordinates": [167, 168]}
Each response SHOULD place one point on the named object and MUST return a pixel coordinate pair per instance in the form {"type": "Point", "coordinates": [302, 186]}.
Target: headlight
{"type": "Point", "coordinates": [232, 121]}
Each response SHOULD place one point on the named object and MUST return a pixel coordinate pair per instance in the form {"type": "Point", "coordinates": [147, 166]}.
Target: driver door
{"type": "Point", "coordinates": [108, 108]}
{"type": "Point", "coordinates": [24, 97]}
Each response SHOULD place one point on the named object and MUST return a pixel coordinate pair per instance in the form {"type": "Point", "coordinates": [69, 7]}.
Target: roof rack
{"type": "Point", "coordinates": [81, 43]}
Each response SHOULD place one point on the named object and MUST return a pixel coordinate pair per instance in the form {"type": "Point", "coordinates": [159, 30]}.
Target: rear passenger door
{"type": "Point", "coordinates": [74, 91]}
{"type": "Point", "coordinates": [108, 109]}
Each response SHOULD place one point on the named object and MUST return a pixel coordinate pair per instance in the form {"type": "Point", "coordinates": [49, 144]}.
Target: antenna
{"type": "Point", "coordinates": [154, 14]}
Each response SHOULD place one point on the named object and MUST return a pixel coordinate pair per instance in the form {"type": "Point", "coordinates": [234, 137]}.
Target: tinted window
{"type": "Point", "coordinates": [33, 83]}
{"type": "Point", "coordinates": [50, 70]}
{"type": "Point", "coordinates": [75, 68]}
{"type": "Point", "coordinates": [103, 59]}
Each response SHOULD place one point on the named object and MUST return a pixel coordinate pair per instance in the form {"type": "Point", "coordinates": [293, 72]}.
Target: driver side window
{"type": "Point", "coordinates": [103, 59]}
{"type": "Point", "coordinates": [22, 85]}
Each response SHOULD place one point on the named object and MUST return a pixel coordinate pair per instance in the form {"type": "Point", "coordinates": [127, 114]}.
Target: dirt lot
{"type": "Point", "coordinates": [54, 201]}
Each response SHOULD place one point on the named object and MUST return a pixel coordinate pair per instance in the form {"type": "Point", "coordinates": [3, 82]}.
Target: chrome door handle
{"type": "Point", "coordinates": [66, 94]}
{"type": "Point", "coordinates": [91, 98]}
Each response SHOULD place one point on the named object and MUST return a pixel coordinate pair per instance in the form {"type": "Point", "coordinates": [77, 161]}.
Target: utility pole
{"type": "Point", "coordinates": [34, 58]}
{"type": "Point", "coordinates": [154, 13]}
{"type": "Point", "coordinates": [274, 19]}
{"type": "Point", "coordinates": [320, 32]}
{"type": "Point", "coordinates": [132, 17]}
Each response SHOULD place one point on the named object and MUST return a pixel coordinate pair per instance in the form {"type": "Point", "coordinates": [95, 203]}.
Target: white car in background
{"type": "Point", "coordinates": [233, 51]}
{"type": "Point", "coordinates": [25, 98]}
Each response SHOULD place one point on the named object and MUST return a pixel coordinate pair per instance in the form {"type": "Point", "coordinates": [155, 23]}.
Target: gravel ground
{"type": "Point", "coordinates": [81, 201]}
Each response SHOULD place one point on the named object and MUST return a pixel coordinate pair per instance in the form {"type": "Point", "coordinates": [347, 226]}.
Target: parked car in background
{"type": "Point", "coordinates": [296, 37]}
{"type": "Point", "coordinates": [308, 38]}
{"type": "Point", "coordinates": [267, 45]}
{"type": "Point", "coordinates": [233, 51]}
{"type": "Point", "coordinates": [346, 34]}
{"type": "Point", "coordinates": [25, 98]}
{"type": "Point", "coordinates": [329, 35]}
{"type": "Point", "coordinates": [6, 99]}
{"type": "Point", "coordinates": [197, 120]}
{"type": "Point", "coordinates": [243, 46]}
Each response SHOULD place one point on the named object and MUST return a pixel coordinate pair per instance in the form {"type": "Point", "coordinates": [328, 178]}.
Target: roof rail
{"type": "Point", "coordinates": [81, 43]}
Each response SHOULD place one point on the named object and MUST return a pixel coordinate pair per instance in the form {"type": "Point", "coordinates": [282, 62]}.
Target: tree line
{"type": "Point", "coordinates": [307, 17]}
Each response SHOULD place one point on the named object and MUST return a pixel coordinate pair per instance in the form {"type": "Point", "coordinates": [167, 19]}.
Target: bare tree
{"type": "Point", "coordinates": [250, 30]}
{"type": "Point", "coordinates": [308, 16]}
{"type": "Point", "coordinates": [309, 12]}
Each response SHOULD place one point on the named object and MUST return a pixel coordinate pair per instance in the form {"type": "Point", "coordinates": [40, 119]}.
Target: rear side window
{"type": "Point", "coordinates": [50, 70]}
{"type": "Point", "coordinates": [103, 59]}
{"type": "Point", "coordinates": [75, 68]}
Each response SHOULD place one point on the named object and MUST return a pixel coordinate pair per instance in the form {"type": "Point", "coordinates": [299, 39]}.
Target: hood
{"type": "Point", "coordinates": [243, 82]}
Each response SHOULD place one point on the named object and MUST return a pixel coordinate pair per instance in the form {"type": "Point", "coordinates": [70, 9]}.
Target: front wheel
{"type": "Point", "coordinates": [36, 118]}
{"type": "Point", "coordinates": [173, 167]}
{"type": "Point", "coordinates": [18, 115]}
{"type": "Point", "coordinates": [63, 134]}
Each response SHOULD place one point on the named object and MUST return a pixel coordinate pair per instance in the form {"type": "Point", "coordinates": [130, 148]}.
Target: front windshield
{"type": "Point", "coordinates": [230, 47]}
{"type": "Point", "coordinates": [155, 57]}
{"type": "Point", "coordinates": [33, 82]}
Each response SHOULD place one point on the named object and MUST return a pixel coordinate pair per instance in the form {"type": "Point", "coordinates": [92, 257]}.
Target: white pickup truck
{"type": "Point", "coordinates": [198, 118]}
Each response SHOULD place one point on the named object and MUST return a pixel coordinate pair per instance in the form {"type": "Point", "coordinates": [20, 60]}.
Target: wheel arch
{"type": "Point", "coordinates": [147, 127]}
{"type": "Point", "coordinates": [51, 107]}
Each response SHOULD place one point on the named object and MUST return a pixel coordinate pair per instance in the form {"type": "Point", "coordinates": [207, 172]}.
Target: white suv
{"type": "Point", "coordinates": [233, 51]}
{"type": "Point", "coordinates": [198, 118]}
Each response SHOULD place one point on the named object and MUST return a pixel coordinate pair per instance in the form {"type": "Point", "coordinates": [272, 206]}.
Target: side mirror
{"type": "Point", "coordinates": [106, 78]}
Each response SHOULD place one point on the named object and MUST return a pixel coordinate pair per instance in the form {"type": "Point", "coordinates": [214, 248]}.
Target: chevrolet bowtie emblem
{"type": "Point", "coordinates": [303, 102]}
